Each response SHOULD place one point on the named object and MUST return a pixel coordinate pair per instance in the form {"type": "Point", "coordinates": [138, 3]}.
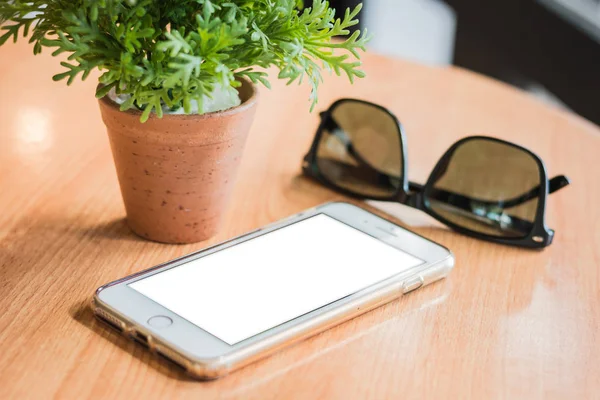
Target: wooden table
{"type": "Point", "coordinates": [507, 323]}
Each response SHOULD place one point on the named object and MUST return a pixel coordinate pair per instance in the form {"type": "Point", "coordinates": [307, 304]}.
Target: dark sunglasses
{"type": "Point", "coordinates": [482, 187]}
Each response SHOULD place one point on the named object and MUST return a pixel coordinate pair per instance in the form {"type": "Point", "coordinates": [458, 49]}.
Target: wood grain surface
{"type": "Point", "coordinates": [507, 323]}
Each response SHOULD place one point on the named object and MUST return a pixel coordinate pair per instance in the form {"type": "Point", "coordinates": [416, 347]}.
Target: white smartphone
{"type": "Point", "coordinates": [219, 309]}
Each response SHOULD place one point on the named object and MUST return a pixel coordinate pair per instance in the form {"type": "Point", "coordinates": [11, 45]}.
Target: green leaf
{"type": "Point", "coordinates": [168, 53]}
{"type": "Point", "coordinates": [12, 31]}
{"type": "Point", "coordinates": [103, 90]}
{"type": "Point", "coordinates": [183, 70]}
{"type": "Point", "coordinates": [175, 44]}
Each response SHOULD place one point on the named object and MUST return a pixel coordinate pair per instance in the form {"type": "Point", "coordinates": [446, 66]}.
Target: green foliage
{"type": "Point", "coordinates": [169, 52]}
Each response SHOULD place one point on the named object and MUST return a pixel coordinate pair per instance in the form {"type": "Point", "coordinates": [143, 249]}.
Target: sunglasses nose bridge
{"type": "Point", "coordinates": [412, 199]}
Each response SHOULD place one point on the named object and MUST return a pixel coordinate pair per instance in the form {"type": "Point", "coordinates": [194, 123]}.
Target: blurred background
{"type": "Point", "coordinates": [550, 48]}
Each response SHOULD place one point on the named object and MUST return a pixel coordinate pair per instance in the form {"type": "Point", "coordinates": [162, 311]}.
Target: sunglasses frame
{"type": "Point", "coordinates": [540, 235]}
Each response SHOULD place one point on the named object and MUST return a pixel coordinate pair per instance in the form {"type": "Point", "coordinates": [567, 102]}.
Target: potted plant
{"type": "Point", "coordinates": [177, 87]}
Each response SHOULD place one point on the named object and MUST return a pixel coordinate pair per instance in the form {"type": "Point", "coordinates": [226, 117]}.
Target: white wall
{"type": "Point", "coordinates": [419, 30]}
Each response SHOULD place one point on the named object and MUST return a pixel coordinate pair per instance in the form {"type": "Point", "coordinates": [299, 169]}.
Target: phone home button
{"type": "Point", "coordinates": [160, 321]}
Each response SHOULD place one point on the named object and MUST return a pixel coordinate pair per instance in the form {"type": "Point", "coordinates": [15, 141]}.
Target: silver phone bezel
{"type": "Point", "coordinates": [200, 345]}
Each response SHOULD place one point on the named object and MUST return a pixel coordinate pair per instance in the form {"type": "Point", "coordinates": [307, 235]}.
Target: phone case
{"type": "Point", "coordinates": [376, 296]}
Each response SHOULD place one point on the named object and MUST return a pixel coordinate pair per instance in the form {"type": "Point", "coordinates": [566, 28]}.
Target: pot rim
{"type": "Point", "coordinates": [249, 103]}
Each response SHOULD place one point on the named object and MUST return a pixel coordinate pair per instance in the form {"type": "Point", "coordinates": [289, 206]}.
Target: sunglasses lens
{"type": "Point", "coordinates": [360, 150]}
{"type": "Point", "coordinates": [487, 187]}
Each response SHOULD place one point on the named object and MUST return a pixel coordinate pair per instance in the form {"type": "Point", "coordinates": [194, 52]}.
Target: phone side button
{"type": "Point", "coordinates": [412, 284]}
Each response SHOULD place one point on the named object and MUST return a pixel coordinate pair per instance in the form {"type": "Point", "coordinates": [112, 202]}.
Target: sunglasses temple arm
{"type": "Point", "coordinates": [455, 199]}
{"type": "Point", "coordinates": [554, 184]}
{"type": "Point", "coordinates": [465, 205]}
{"type": "Point", "coordinates": [449, 199]}
{"type": "Point", "coordinates": [514, 223]}
{"type": "Point", "coordinates": [557, 183]}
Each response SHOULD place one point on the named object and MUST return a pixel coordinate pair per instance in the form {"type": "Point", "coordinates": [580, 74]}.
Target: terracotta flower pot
{"type": "Point", "coordinates": [177, 173]}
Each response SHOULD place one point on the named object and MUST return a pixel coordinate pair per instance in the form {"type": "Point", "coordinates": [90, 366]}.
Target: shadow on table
{"type": "Point", "coordinates": [115, 230]}
{"type": "Point", "coordinates": [83, 314]}
{"type": "Point", "coordinates": [262, 372]}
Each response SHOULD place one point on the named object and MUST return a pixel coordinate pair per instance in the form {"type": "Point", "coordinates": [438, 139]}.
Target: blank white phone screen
{"type": "Point", "coordinates": [258, 284]}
